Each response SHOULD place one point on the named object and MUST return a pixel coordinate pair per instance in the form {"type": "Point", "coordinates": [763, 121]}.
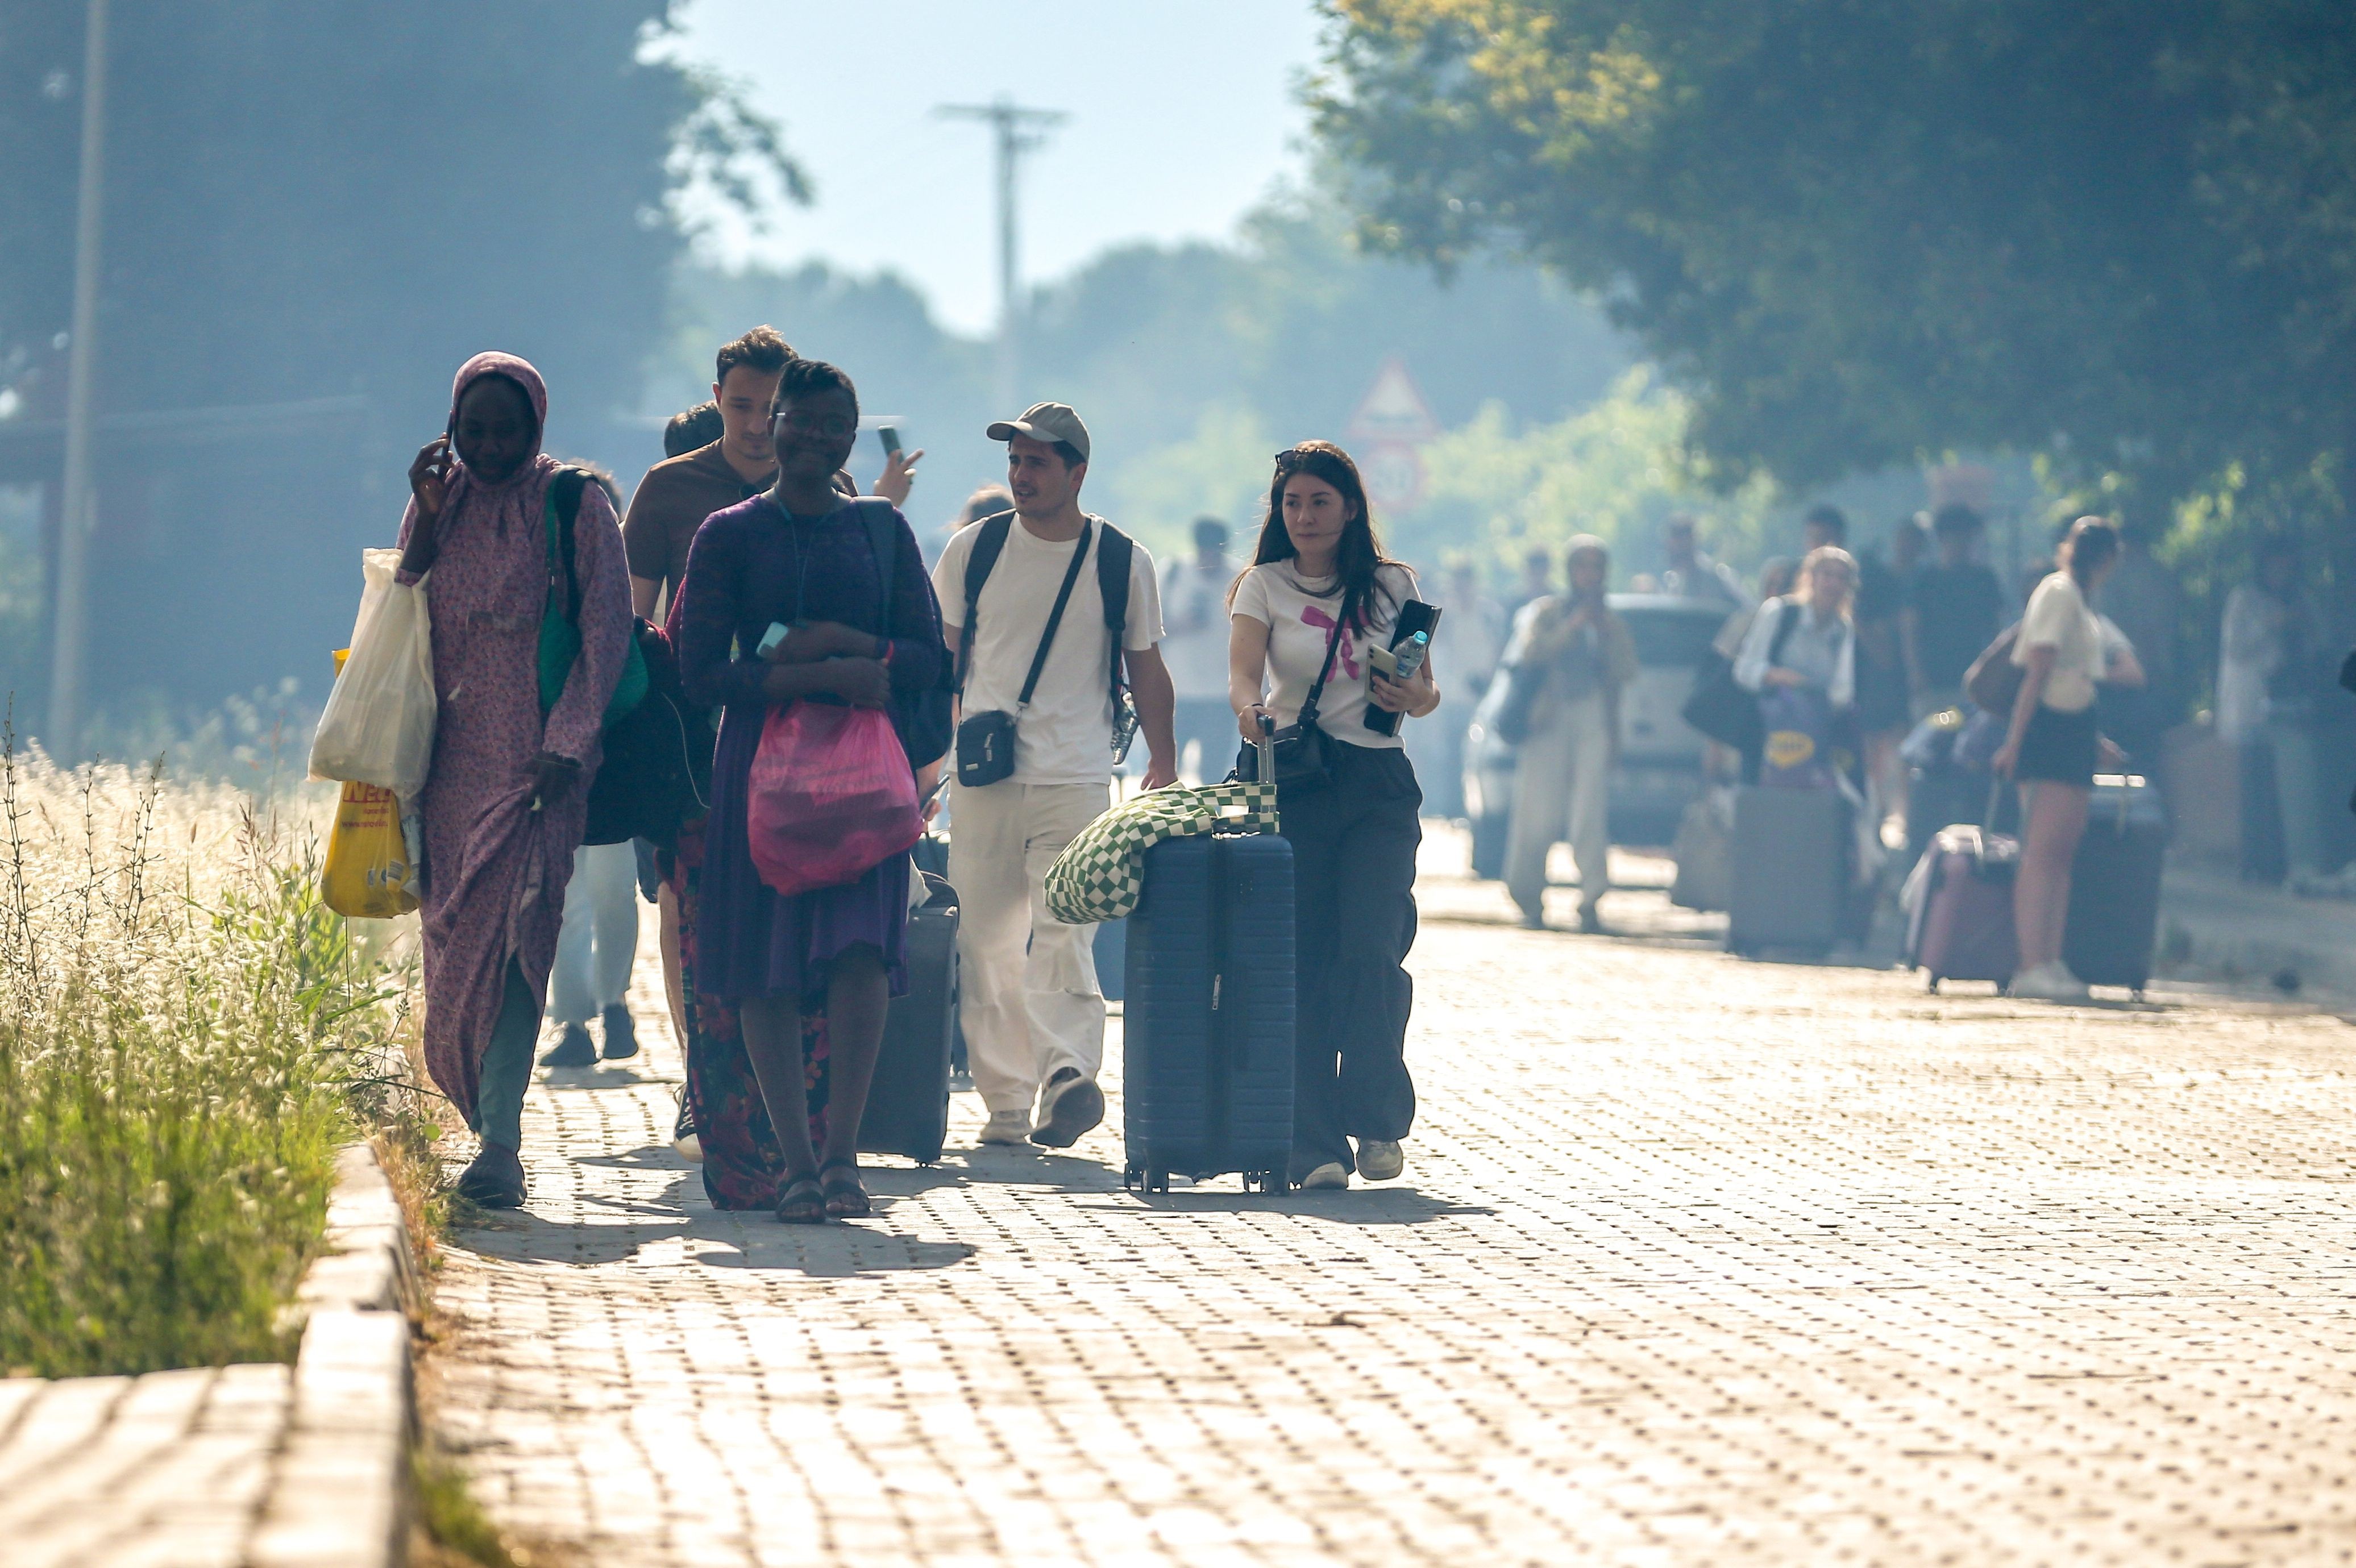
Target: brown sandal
{"type": "Point", "coordinates": [845, 1198]}
{"type": "Point", "coordinates": [801, 1202]}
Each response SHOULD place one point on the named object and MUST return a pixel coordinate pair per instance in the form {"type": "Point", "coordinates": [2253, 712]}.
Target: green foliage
{"type": "Point", "coordinates": [2116, 231]}
{"type": "Point", "coordinates": [456, 1530]}
{"type": "Point", "coordinates": [1616, 470]}
{"type": "Point", "coordinates": [332, 206]}
{"type": "Point", "coordinates": [188, 1037]}
{"type": "Point", "coordinates": [1169, 353]}
{"type": "Point", "coordinates": [1221, 470]}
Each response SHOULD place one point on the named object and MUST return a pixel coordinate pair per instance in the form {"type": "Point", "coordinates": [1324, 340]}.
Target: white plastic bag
{"type": "Point", "coordinates": [377, 728]}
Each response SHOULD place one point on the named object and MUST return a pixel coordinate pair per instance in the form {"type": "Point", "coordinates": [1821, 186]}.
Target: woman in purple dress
{"type": "Point", "coordinates": [799, 555]}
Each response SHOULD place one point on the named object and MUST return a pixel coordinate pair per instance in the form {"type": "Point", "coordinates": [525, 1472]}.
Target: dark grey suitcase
{"type": "Point", "coordinates": [2114, 917]}
{"type": "Point", "coordinates": [1791, 870]}
{"type": "Point", "coordinates": [1208, 1059]}
{"type": "Point", "coordinates": [908, 1102]}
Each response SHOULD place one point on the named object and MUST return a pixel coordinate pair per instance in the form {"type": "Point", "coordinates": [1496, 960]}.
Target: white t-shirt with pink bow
{"type": "Point", "coordinates": [1299, 612]}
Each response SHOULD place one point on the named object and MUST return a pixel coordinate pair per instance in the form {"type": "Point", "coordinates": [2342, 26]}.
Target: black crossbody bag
{"type": "Point", "coordinates": [1304, 753]}
{"type": "Point", "coordinates": [985, 742]}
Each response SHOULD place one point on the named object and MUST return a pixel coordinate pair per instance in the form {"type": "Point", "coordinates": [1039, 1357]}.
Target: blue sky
{"type": "Point", "coordinates": [1183, 116]}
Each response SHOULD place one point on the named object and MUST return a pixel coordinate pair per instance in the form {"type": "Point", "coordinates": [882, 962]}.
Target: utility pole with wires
{"type": "Point", "coordinates": [1018, 131]}
{"type": "Point", "coordinates": [69, 616]}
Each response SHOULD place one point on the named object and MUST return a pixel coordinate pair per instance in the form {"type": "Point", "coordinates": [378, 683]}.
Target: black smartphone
{"type": "Point", "coordinates": [891, 438]}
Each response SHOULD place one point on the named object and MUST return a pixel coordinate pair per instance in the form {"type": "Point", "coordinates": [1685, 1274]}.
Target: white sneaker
{"type": "Point", "coordinates": [1380, 1159]}
{"type": "Point", "coordinates": [2050, 982]}
{"type": "Point", "coordinates": [1006, 1127]}
{"type": "Point", "coordinates": [1327, 1176]}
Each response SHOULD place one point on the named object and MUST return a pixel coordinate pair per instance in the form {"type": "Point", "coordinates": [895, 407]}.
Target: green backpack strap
{"type": "Point", "coordinates": [560, 623]}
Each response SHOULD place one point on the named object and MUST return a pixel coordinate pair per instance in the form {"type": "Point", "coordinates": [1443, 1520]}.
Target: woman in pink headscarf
{"type": "Point", "coordinates": [507, 798]}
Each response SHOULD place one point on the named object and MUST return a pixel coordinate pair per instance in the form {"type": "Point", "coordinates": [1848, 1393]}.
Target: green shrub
{"type": "Point", "coordinates": [186, 1038]}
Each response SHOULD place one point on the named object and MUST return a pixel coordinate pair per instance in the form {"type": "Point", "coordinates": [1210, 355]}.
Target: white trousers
{"type": "Point", "coordinates": [1030, 1002]}
{"type": "Point", "coordinates": [1563, 779]}
{"type": "Point", "coordinates": [599, 940]}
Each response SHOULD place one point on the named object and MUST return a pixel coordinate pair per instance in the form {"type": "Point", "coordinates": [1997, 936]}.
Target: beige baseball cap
{"type": "Point", "coordinates": [1046, 421]}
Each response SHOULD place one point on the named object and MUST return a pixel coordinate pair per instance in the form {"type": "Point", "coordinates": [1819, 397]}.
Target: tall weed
{"type": "Point", "coordinates": [187, 1035]}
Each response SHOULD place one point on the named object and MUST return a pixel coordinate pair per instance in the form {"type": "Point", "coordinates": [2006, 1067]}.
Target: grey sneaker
{"type": "Point", "coordinates": [1380, 1159]}
{"type": "Point", "coordinates": [1006, 1127]}
{"type": "Point", "coordinates": [1327, 1176]}
{"type": "Point", "coordinates": [1073, 1103]}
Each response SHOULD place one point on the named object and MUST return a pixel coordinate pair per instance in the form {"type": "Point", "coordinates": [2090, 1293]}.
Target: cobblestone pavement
{"type": "Point", "coordinates": [164, 1471]}
{"type": "Point", "coordinates": [1697, 1260]}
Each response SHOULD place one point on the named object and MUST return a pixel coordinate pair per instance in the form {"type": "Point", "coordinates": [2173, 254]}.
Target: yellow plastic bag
{"type": "Point", "coordinates": [368, 875]}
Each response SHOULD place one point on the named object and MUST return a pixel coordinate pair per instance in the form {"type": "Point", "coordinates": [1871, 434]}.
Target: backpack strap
{"type": "Point", "coordinates": [564, 496]}
{"type": "Point", "coordinates": [1787, 620]}
{"type": "Point", "coordinates": [1115, 552]}
{"type": "Point", "coordinates": [883, 539]}
{"type": "Point", "coordinates": [988, 545]}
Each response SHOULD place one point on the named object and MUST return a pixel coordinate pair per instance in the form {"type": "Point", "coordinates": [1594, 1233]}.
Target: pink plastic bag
{"type": "Point", "coordinates": [831, 796]}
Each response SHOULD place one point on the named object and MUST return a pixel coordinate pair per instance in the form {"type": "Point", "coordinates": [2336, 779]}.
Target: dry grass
{"type": "Point", "coordinates": [187, 1035]}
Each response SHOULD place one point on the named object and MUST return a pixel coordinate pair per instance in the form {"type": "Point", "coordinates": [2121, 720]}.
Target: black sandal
{"type": "Point", "coordinates": [801, 1202]}
{"type": "Point", "coordinates": [845, 1198]}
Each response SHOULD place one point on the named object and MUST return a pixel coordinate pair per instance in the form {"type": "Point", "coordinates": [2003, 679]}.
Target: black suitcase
{"type": "Point", "coordinates": [1208, 1027]}
{"type": "Point", "coordinates": [1791, 870]}
{"type": "Point", "coordinates": [908, 1103]}
{"type": "Point", "coordinates": [2114, 885]}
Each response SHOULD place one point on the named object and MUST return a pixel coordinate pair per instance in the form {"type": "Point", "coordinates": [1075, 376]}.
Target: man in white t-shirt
{"type": "Point", "coordinates": [1032, 1011]}
{"type": "Point", "coordinates": [1195, 647]}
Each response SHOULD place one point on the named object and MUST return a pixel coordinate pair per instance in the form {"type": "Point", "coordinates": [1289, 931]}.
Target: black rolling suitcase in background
{"type": "Point", "coordinates": [1791, 870]}
{"type": "Point", "coordinates": [1208, 1026]}
{"type": "Point", "coordinates": [2114, 917]}
{"type": "Point", "coordinates": [908, 1104]}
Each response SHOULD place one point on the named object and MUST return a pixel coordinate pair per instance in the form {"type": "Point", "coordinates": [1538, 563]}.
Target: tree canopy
{"type": "Point", "coordinates": [2121, 233]}
{"type": "Point", "coordinates": [328, 200]}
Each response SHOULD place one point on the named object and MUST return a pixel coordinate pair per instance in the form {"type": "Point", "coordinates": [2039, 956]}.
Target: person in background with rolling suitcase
{"type": "Point", "coordinates": [1589, 657]}
{"type": "Point", "coordinates": [1319, 592]}
{"type": "Point", "coordinates": [1032, 626]}
{"type": "Point", "coordinates": [1817, 650]}
{"type": "Point", "coordinates": [2052, 747]}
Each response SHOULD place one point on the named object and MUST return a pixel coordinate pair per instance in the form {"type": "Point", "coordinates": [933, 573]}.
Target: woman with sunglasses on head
{"type": "Point", "coordinates": [1320, 593]}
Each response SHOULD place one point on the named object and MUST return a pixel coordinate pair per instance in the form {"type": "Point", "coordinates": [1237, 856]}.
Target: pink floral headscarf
{"type": "Point", "coordinates": [471, 502]}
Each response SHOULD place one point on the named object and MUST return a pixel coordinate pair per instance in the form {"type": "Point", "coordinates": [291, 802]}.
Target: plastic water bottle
{"type": "Point", "coordinates": [1409, 654]}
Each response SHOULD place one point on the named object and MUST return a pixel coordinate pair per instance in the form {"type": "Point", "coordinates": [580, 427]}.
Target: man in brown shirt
{"type": "Point", "coordinates": [679, 492]}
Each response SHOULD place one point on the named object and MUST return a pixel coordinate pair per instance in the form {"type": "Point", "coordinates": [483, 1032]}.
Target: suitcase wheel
{"type": "Point", "coordinates": [1271, 1181]}
{"type": "Point", "coordinates": [1131, 1178]}
{"type": "Point", "coordinates": [1933, 987]}
{"type": "Point", "coordinates": [1157, 1181]}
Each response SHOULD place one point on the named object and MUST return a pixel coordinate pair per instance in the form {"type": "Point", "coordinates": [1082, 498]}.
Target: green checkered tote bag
{"type": "Point", "coordinates": [1101, 871]}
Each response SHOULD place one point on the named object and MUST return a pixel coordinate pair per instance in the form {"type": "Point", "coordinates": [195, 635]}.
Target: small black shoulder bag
{"type": "Point", "coordinates": [1304, 753]}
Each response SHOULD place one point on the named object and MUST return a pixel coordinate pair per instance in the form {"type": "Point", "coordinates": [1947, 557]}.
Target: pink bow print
{"type": "Point", "coordinates": [1315, 617]}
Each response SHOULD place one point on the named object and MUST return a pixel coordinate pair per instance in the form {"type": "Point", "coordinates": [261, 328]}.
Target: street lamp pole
{"type": "Point", "coordinates": [69, 606]}
{"type": "Point", "coordinates": [1018, 131]}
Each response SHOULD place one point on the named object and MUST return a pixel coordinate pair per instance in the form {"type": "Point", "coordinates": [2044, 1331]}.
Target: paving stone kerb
{"type": "Point", "coordinates": [1698, 1260]}
{"type": "Point", "coordinates": [243, 1466]}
